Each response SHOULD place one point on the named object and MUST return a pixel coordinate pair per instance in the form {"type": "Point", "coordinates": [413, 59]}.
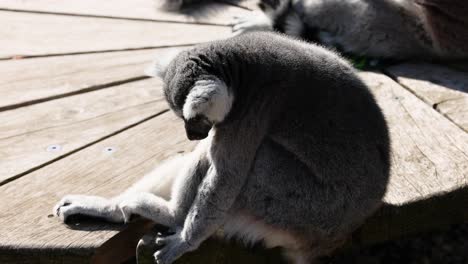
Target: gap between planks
{"type": "Point", "coordinates": [393, 97]}
{"type": "Point", "coordinates": [73, 122]}
{"type": "Point", "coordinates": [88, 172]}
{"type": "Point", "coordinates": [213, 13]}
{"type": "Point", "coordinates": [59, 77]}
{"type": "Point", "coordinates": [116, 17]}
{"type": "Point", "coordinates": [442, 88]}
{"type": "Point", "coordinates": [20, 57]}
{"type": "Point", "coordinates": [52, 37]}
{"type": "Point", "coordinates": [85, 90]}
{"type": "Point", "coordinates": [8, 180]}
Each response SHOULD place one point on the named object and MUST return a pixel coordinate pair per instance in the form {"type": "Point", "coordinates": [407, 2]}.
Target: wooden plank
{"type": "Point", "coordinates": [28, 81]}
{"type": "Point", "coordinates": [28, 34]}
{"type": "Point", "coordinates": [214, 13]}
{"type": "Point", "coordinates": [445, 89]}
{"type": "Point", "coordinates": [429, 154]}
{"type": "Point", "coordinates": [26, 222]}
{"type": "Point", "coordinates": [36, 135]}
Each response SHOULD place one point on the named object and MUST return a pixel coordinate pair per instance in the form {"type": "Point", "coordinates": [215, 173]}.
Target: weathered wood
{"type": "Point", "coordinates": [90, 171]}
{"type": "Point", "coordinates": [122, 247]}
{"type": "Point", "coordinates": [429, 184]}
{"type": "Point", "coordinates": [35, 135]}
{"type": "Point", "coordinates": [445, 89]}
{"type": "Point", "coordinates": [395, 221]}
{"type": "Point", "coordinates": [429, 153]}
{"type": "Point", "coordinates": [26, 222]}
{"type": "Point", "coordinates": [25, 82]}
{"type": "Point", "coordinates": [27, 34]}
{"type": "Point", "coordinates": [214, 13]}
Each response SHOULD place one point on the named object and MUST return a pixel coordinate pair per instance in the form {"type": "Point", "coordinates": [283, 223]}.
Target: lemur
{"type": "Point", "coordinates": [383, 29]}
{"type": "Point", "coordinates": [294, 150]}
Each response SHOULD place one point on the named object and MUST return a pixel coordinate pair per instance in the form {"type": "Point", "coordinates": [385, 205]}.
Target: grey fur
{"type": "Point", "coordinates": [299, 161]}
{"type": "Point", "coordinates": [397, 29]}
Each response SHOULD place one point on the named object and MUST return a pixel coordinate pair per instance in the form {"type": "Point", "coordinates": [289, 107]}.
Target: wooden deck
{"type": "Point", "coordinates": [78, 116]}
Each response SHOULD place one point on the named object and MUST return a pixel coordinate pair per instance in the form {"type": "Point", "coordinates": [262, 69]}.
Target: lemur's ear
{"type": "Point", "coordinates": [159, 66]}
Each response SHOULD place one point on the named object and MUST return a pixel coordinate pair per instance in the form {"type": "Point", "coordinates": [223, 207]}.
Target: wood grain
{"type": "Point", "coordinates": [28, 34]}
{"type": "Point", "coordinates": [24, 82]}
{"type": "Point", "coordinates": [429, 157]}
{"type": "Point", "coordinates": [35, 135]}
{"type": "Point", "coordinates": [25, 220]}
{"type": "Point", "coordinates": [430, 153]}
{"type": "Point", "coordinates": [445, 89]}
{"type": "Point", "coordinates": [214, 13]}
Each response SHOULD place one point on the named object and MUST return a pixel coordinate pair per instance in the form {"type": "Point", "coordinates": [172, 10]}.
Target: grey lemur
{"type": "Point", "coordinates": [395, 29]}
{"type": "Point", "coordinates": [295, 150]}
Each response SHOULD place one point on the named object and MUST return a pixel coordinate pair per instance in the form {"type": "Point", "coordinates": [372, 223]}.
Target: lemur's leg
{"type": "Point", "coordinates": [255, 21]}
{"type": "Point", "coordinates": [170, 212]}
{"type": "Point", "coordinates": [145, 198]}
{"type": "Point", "coordinates": [159, 181]}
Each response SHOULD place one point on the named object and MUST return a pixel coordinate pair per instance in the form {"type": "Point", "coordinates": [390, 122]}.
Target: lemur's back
{"type": "Point", "coordinates": [323, 164]}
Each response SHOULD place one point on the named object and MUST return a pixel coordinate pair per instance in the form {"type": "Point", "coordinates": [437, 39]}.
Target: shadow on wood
{"type": "Point", "coordinates": [390, 222]}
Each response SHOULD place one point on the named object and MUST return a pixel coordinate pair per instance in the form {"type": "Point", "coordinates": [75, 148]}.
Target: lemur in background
{"type": "Point", "coordinates": [295, 152]}
{"type": "Point", "coordinates": [387, 29]}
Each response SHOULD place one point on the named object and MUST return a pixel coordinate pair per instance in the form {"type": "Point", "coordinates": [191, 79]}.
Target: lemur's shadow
{"type": "Point", "coordinates": [388, 223]}
{"type": "Point", "coordinates": [88, 223]}
{"type": "Point", "coordinates": [395, 221]}
{"type": "Point", "coordinates": [453, 76]}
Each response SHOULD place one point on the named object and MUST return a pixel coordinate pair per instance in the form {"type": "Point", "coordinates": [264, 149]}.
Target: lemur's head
{"type": "Point", "coordinates": [200, 99]}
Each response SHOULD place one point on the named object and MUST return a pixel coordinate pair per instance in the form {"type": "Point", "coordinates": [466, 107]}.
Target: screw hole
{"type": "Point", "coordinates": [109, 149]}
{"type": "Point", "coordinates": [53, 148]}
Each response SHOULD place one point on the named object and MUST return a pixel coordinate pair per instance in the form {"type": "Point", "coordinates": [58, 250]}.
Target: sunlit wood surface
{"type": "Point", "coordinates": [77, 115]}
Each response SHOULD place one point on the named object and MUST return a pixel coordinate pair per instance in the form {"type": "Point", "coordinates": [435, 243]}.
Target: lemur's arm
{"type": "Point", "coordinates": [231, 155]}
{"type": "Point", "coordinates": [231, 159]}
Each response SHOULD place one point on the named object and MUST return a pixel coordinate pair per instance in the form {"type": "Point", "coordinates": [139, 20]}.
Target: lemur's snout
{"type": "Point", "coordinates": [197, 128]}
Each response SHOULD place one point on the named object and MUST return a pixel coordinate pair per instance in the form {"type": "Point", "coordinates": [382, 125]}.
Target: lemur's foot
{"type": "Point", "coordinates": [173, 247]}
{"type": "Point", "coordinates": [94, 206]}
{"type": "Point", "coordinates": [256, 21]}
